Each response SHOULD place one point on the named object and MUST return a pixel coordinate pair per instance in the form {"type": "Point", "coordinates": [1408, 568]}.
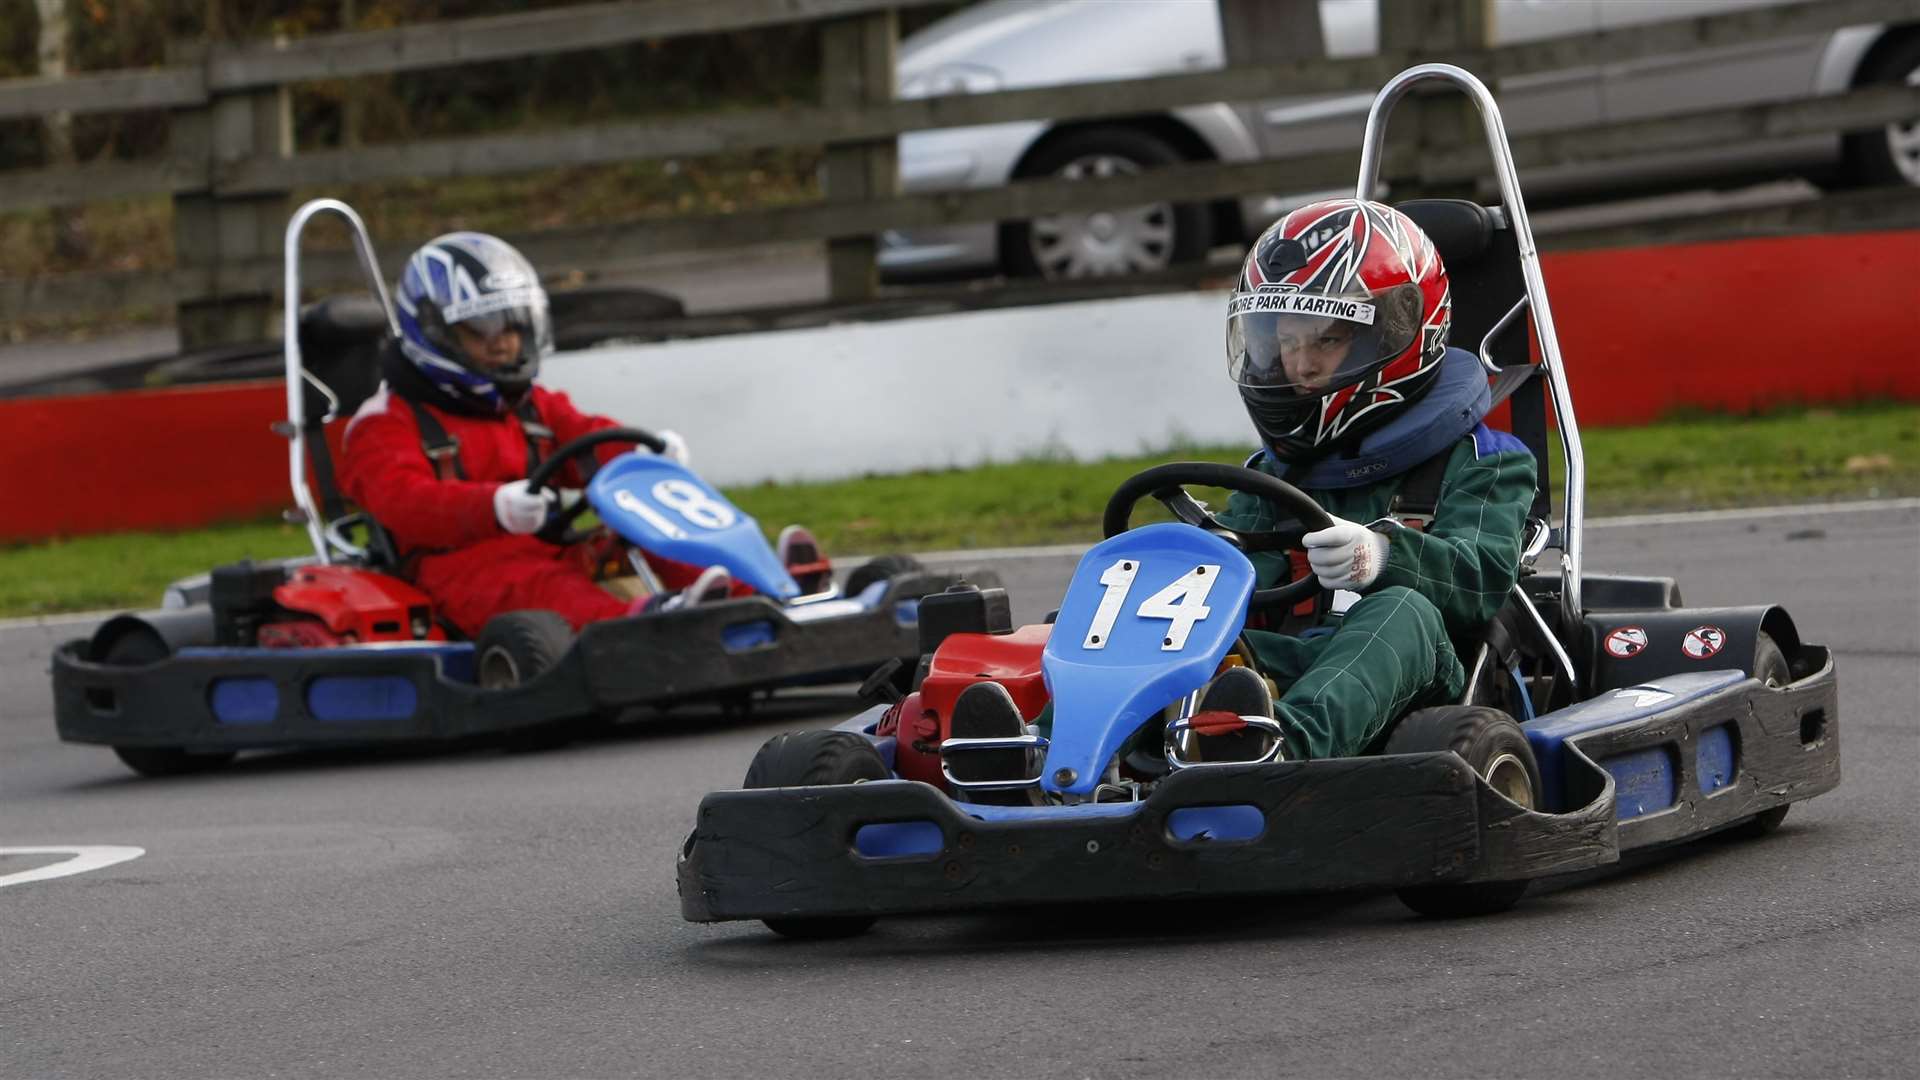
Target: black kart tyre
{"type": "Point", "coordinates": [133, 649]}
{"type": "Point", "coordinates": [512, 650]}
{"type": "Point", "coordinates": [1495, 748]}
{"type": "Point", "coordinates": [1770, 666]}
{"type": "Point", "coordinates": [1132, 240]}
{"type": "Point", "coordinates": [1889, 154]}
{"type": "Point", "coordinates": [880, 568]}
{"type": "Point", "coordinates": [808, 759]}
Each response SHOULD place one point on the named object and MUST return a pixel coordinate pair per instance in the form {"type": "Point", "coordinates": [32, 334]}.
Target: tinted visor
{"type": "Point", "coordinates": [1312, 344]}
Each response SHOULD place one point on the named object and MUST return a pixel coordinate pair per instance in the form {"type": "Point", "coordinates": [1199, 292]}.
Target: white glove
{"type": "Point", "coordinates": [520, 511]}
{"type": "Point", "coordinates": [1346, 555]}
{"type": "Point", "coordinates": [675, 450]}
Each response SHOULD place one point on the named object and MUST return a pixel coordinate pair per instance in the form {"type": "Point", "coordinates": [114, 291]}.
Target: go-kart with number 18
{"type": "Point", "coordinates": [339, 648]}
{"type": "Point", "coordinates": [1598, 716]}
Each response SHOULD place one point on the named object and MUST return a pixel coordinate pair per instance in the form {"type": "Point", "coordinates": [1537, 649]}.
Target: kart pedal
{"type": "Point", "coordinates": [1232, 723]}
{"type": "Point", "coordinates": [986, 712]}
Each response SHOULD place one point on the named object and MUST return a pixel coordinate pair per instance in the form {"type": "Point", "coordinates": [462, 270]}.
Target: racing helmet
{"type": "Point", "coordinates": [476, 286]}
{"type": "Point", "coordinates": [1337, 325]}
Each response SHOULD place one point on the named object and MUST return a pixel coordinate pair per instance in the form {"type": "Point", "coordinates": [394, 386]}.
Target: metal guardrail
{"type": "Point", "coordinates": [230, 166]}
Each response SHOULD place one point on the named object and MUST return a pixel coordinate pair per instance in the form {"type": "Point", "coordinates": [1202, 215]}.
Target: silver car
{"type": "Point", "coordinates": [1009, 44]}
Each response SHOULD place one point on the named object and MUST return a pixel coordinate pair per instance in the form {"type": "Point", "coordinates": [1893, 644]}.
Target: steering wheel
{"type": "Point", "coordinates": [559, 528]}
{"type": "Point", "coordinates": [1166, 483]}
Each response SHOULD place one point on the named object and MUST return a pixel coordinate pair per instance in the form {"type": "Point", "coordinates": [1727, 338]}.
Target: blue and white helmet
{"type": "Point", "coordinates": [481, 283]}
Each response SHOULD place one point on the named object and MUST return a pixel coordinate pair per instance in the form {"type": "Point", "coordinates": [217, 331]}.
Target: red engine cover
{"type": "Point", "coordinates": [1012, 660]}
{"type": "Point", "coordinates": [360, 605]}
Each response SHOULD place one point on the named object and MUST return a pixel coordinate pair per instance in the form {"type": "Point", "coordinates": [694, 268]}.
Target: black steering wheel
{"type": "Point", "coordinates": [559, 528]}
{"type": "Point", "coordinates": [1167, 484]}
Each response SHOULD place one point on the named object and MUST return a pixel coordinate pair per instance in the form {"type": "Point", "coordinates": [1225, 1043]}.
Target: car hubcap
{"type": "Point", "coordinates": [498, 671]}
{"type": "Point", "coordinates": [1507, 774]}
{"type": "Point", "coordinates": [1106, 242]}
{"type": "Point", "coordinates": [1903, 142]}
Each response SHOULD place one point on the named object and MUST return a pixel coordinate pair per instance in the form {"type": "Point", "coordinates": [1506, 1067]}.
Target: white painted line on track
{"type": "Point", "coordinates": [83, 859]}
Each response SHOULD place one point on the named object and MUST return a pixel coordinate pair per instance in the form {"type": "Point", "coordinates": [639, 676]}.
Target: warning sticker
{"type": "Point", "coordinates": [1626, 642]}
{"type": "Point", "coordinates": [1703, 641]}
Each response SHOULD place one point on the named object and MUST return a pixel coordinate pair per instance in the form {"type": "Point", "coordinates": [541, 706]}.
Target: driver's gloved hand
{"type": "Point", "coordinates": [676, 448]}
{"type": "Point", "coordinates": [1346, 555]}
{"type": "Point", "coordinates": [520, 511]}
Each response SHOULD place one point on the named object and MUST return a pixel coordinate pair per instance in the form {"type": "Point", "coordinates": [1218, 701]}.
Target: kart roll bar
{"type": "Point", "coordinates": [1574, 510]}
{"type": "Point", "coordinates": [297, 375]}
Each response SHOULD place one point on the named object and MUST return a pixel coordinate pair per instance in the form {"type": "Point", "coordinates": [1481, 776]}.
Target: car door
{"type": "Point", "coordinates": [1766, 70]}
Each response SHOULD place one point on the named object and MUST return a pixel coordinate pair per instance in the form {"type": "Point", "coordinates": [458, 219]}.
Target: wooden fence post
{"type": "Point", "coordinates": [219, 242]}
{"type": "Point", "coordinates": [857, 68]}
{"type": "Point", "coordinates": [1430, 30]}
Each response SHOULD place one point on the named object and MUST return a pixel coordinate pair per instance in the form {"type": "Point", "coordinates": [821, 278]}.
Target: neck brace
{"type": "Point", "coordinates": [1457, 402]}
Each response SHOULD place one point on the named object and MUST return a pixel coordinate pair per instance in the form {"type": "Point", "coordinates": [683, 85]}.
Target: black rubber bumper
{"type": "Point", "coordinates": [621, 663]}
{"type": "Point", "coordinates": [1349, 823]}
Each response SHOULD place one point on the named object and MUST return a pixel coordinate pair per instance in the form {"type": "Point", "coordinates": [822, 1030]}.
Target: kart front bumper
{"type": "Point", "coordinates": [211, 699]}
{"type": "Point", "coordinates": [1404, 820]}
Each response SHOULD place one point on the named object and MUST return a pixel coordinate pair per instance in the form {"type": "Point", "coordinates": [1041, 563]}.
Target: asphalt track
{"type": "Point", "coordinates": [479, 914]}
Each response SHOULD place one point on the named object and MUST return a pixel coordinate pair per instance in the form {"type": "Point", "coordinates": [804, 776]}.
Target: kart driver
{"type": "Point", "coordinates": [441, 453]}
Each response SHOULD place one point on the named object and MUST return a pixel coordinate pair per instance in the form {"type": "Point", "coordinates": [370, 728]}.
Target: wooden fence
{"type": "Point", "coordinates": [230, 164]}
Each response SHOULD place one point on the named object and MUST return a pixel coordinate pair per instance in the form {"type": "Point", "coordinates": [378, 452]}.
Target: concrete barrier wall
{"type": "Point", "coordinates": [1730, 326]}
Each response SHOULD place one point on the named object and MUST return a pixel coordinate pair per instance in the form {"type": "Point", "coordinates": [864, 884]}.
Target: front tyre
{"type": "Point", "coordinates": [514, 649]}
{"type": "Point", "coordinates": [811, 759]}
{"type": "Point", "coordinates": [1496, 749]}
{"type": "Point", "coordinates": [880, 568]}
{"type": "Point", "coordinates": [1105, 243]}
{"type": "Point", "coordinates": [137, 648]}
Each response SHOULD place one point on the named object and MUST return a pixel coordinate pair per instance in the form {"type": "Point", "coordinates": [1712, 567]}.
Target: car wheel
{"type": "Point", "coordinates": [810, 759]}
{"type": "Point", "coordinates": [514, 649]}
{"type": "Point", "coordinates": [1104, 243]}
{"type": "Point", "coordinates": [133, 649]}
{"type": "Point", "coordinates": [1496, 749]}
{"type": "Point", "coordinates": [880, 568]}
{"type": "Point", "coordinates": [1890, 155]}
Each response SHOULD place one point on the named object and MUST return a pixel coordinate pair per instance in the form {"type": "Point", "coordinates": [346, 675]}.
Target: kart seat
{"type": "Point", "coordinates": [340, 340]}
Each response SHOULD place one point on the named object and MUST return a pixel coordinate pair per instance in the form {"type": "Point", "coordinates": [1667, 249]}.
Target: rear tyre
{"type": "Point", "coordinates": [1770, 666]}
{"type": "Point", "coordinates": [1889, 154]}
{"type": "Point", "coordinates": [134, 649]}
{"type": "Point", "coordinates": [1495, 748]}
{"type": "Point", "coordinates": [516, 648]}
{"type": "Point", "coordinates": [809, 759]}
{"type": "Point", "coordinates": [881, 568]}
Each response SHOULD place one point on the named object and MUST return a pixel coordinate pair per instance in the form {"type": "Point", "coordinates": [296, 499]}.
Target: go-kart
{"type": "Point", "coordinates": [338, 648]}
{"type": "Point", "coordinates": [1600, 715]}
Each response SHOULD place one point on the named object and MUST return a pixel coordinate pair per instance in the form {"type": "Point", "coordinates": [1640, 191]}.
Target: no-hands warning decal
{"type": "Point", "coordinates": [1626, 642]}
{"type": "Point", "coordinates": [1703, 641]}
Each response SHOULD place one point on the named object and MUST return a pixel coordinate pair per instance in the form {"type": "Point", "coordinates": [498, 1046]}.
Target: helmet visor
{"type": "Point", "coordinates": [1312, 344]}
{"type": "Point", "coordinates": [490, 313]}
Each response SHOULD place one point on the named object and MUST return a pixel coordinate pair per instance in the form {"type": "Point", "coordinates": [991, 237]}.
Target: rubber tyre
{"type": "Point", "coordinates": [1192, 222]}
{"type": "Point", "coordinates": [512, 650]}
{"type": "Point", "coordinates": [1869, 161]}
{"type": "Point", "coordinates": [133, 649]}
{"type": "Point", "coordinates": [810, 759]}
{"type": "Point", "coordinates": [880, 568]}
{"type": "Point", "coordinates": [1480, 736]}
{"type": "Point", "coordinates": [1770, 666]}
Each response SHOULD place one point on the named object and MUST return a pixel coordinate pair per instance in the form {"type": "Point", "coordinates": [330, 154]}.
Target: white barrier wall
{"type": "Point", "coordinates": [1091, 380]}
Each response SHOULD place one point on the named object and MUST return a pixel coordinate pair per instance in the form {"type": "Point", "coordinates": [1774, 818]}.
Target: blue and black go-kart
{"type": "Point", "coordinates": [338, 649]}
{"type": "Point", "coordinates": [1600, 715]}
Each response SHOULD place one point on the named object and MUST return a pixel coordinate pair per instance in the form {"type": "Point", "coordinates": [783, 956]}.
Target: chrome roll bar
{"type": "Point", "coordinates": [297, 376]}
{"type": "Point", "coordinates": [1574, 500]}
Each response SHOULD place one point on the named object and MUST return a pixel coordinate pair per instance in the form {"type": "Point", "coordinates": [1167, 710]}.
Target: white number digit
{"type": "Point", "coordinates": [1118, 578]}
{"type": "Point", "coordinates": [1184, 602]}
{"type": "Point", "coordinates": [693, 504]}
{"type": "Point", "coordinates": [634, 504]}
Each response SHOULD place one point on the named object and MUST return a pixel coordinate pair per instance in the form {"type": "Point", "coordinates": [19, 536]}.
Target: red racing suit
{"type": "Point", "coordinates": [441, 518]}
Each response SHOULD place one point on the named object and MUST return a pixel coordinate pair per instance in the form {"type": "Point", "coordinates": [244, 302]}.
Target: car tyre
{"type": "Point", "coordinates": [1497, 750]}
{"type": "Point", "coordinates": [880, 568]}
{"type": "Point", "coordinates": [1104, 243]}
{"type": "Point", "coordinates": [1891, 154]}
{"type": "Point", "coordinates": [136, 648]}
{"type": "Point", "coordinates": [512, 650]}
{"type": "Point", "coordinates": [811, 759]}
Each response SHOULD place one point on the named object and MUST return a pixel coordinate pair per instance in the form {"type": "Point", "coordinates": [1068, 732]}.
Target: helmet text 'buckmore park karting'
{"type": "Point", "coordinates": [1337, 324]}
{"type": "Point", "coordinates": [459, 297]}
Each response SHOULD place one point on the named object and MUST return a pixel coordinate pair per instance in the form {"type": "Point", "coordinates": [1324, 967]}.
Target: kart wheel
{"type": "Point", "coordinates": [512, 650]}
{"type": "Point", "coordinates": [1761, 823]}
{"type": "Point", "coordinates": [132, 649]}
{"type": "Point", "coordinates": [882, 568]}
{"type": "Point", "coordinates": [808, 759]}
{"type": "Point", "coordinates": [1132, 240]}
{"type": "Point", "coordinates": [1495, 748]}
{"type": "Point", "coordinates": [1769, 662]}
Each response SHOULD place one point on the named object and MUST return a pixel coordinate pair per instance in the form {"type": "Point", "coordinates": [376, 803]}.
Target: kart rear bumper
{"type": "Point", "coordinates": [240, 698]}
{"type": "Point", "coordinates": [1348, 823]}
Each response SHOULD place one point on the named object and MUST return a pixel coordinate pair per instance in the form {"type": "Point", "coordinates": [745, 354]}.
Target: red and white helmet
{"type": "Point", "coordinates": [1337, 325]}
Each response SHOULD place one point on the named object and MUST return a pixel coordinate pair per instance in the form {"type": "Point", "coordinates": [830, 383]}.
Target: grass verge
{"type": "Point", "coordinates": [1682, 464]}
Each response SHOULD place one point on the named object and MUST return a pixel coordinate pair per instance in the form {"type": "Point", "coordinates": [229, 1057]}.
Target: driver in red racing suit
{"type": "Point", "coordinates": [441, 453]}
